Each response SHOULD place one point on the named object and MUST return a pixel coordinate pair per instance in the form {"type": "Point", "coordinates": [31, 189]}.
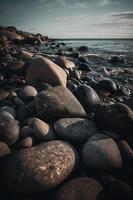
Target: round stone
{"type": "Point", "coordinates": [8, 109]}
{"type": "Point", "coordinates": [108, 85]}
{"type": "Point", "coordinates": [83, 49]}
{"type": "Point", "coordinates": [39, 168]}
{"type": "Point", "coordinates": [75, 130]}
{"type": "Point", "coordinates": [101, 153]}
{"type": "Point", "coordinates": [116, 117]}
{"type": "Point", "coordinates": [27, 93]}
{"type": "Point", "coordinates": [87, 97]}
{"type": "Point", "coordinates": [4, 149]}
{"type": "Point", "coordinates": [9, 130]}
{"type": "Point", "coordinates": [42, 130]}
{"type": "Point", "coordinates": [79, 188]}
{"type": "Point", "coordinates": [25, 131]}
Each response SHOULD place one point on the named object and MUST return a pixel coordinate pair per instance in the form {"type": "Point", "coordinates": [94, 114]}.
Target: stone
{"type": "Point", "coordinates": [74, 55]}
{"type": "Point", "coordinates": [126, 151]}
{"type": "Point", "coordinates": [118, 190]}
{"type": "Point", "coordinates": [83, 49]}
{"type": "Point", "coordinates": [42, 130]}
{"type": "Point", "coordinates": [75, 130]}
{"type": "Point", "coordinates": [26, 142]}
{"type": "Point", "coordinates": [3, 94]}
{"type": "Point", "coordinates": [26, 56]}
{"type": "Point", "coordinates": [87, 97]}
{"type": "Point", "coordinates": [8, 109]}
{"type": "Point", "coordinates": [44, 70]}
{"type": "Point", "coordinates": [115, 117]}
{"type": "Point", "coordinates": [84, 67]}
{"type": "Point", "coordinates": [80, 188]}
{"type": "Point", "coordinates": [12, 36]}
{"type": "Point", "coordinates": [57, 102]}
{"type": "Point", "coordinates": [101, 153]}
{"type": "Point", "coordinates": [25, 131]}
{"type": "Point", "coordinates": [6, 114]}
{"type": "Point", "coordinates": [39, 168]}
{"type": "Point", "coordinates": [9, 130]}
{"type": "Point", "coordinates": [64, 63]}
{"type": "Point", "coordinates": [4, 149]}
{"type": "Point", "coordinates": [107, 85]}
{"type": "Point", "coordinates": [27, 93]}
{"type": "Point", "coordinates": [22, 112]}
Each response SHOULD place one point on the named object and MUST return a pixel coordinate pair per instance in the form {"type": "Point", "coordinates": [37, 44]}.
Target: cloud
{"type": "Point", "coordinates": [107, 2]}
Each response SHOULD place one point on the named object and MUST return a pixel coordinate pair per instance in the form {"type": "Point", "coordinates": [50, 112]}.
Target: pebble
{"type": "Point", "coordinates": [8, 109]}
{"type": "Point", "coordinates": [41, 130]}
{"type": "Point", "coordinates": [27, 93]}
{"type": "Point", "coordinates": [9, 130]}
{"type": "Point", "coordinates": [107, 85]}
{"type": "Point", "coordinates": [4, 149]}
{"type": "Point", "coordinates": [25, 131]}
{"type": "Point", "coordinates": [83, 49]}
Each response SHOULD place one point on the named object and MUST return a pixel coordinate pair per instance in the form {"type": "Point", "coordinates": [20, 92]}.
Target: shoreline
{"type": "Point", "coordinates": [65, 126]}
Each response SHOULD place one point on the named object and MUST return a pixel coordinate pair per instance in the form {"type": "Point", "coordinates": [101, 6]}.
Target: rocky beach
{"type": "Point", "coordinates": [66, 126]}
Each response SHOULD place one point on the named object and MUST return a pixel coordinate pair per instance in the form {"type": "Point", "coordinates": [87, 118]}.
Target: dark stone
{"type": "Point", "coordinates": [4, 149]}
{"type": "Point", "coordinates": [83, 49]}
{"type": "Point", "coordinates": [87, 97]}
{"type": "Point", "coordinates": [9, 130]}
{"type": "Point", "coordinates": [75, 130]}
{"type": "Point", "coordinates": [80, 188]}
{"type": "Point", "coordinates": [74, 55]}
{"type": "Point", "coordinates": [38, 169]}
{"type": "Point", "coordinates": [82, 60]}
{"type": "Point", "coordinates": [84, 67]}
{"type": "Point", "coordinates": [58, 102]}
{"type": "Point", "coordinates": [101, 153]}
{"type": "Point", "coordinates": [108, 85]}
{"type": "Point", "coordinates": [41, 130]}
{"type": "Point", "coordinates": [116, 117]}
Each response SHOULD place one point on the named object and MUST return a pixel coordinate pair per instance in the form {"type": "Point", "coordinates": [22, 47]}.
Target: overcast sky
{"type": "Point", "coordinates": [70, 18]}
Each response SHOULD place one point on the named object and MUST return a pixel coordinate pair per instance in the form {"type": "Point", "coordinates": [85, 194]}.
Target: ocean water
{"type": "Point", "coordinates": [102, 50]}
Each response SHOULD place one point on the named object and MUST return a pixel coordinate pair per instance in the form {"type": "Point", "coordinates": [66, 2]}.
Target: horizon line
{"type": "Point", "coordinates": [72, 38]}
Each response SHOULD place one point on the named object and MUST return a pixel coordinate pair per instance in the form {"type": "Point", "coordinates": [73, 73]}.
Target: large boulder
{"type": "Point", "coordinates": [39, 168]}
{"type": "Point", "coordinates": [75, 130]}
{"type": "Point", "coordinates": [44, 70]}
{"type": "Point", "coordinates": [12, 36]}
{"type": "Point", "coordinates": [57, 102]}
{"type": "Point", "coordinates": [101, 153]}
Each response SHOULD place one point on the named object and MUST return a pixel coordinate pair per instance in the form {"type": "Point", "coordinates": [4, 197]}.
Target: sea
{"type": "Point", "coordinates": [102, 50]}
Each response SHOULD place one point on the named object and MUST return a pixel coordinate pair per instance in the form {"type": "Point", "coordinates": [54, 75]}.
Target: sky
{"type": "Point", "coordinates": [70, 18]}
